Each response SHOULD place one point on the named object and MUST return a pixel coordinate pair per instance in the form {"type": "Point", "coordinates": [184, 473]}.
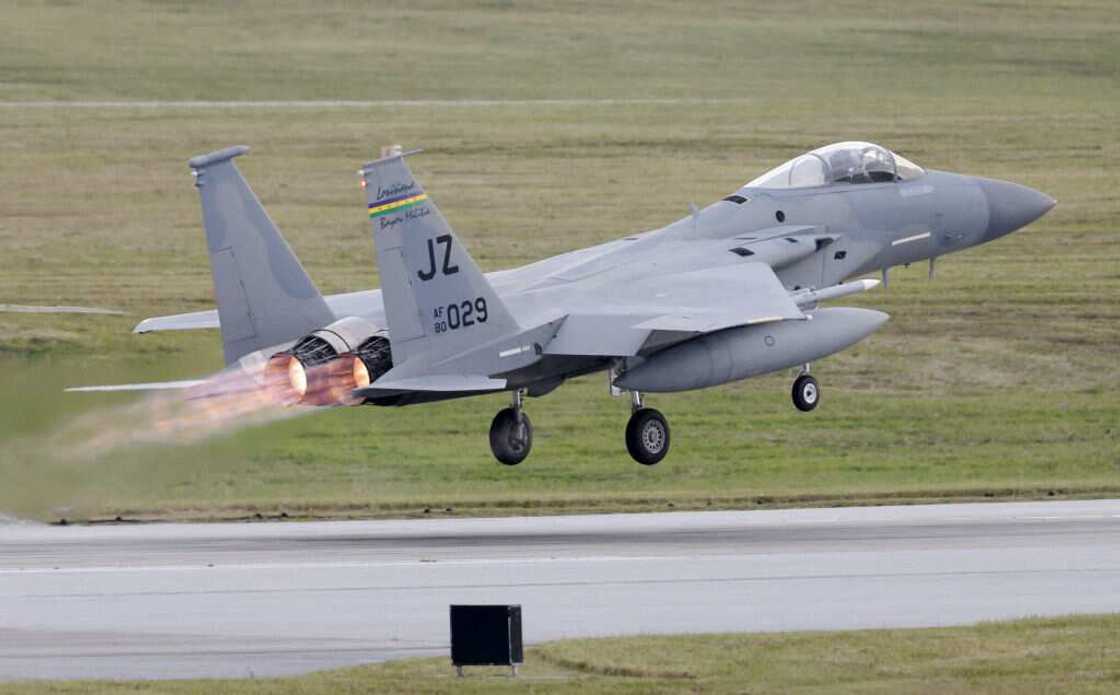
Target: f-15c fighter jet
{"type": "Point", "coordinates": [728, 292]}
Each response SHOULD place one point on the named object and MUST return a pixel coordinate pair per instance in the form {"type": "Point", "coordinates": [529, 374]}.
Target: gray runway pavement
{"type": "Point", "coordinates": [163, 601]}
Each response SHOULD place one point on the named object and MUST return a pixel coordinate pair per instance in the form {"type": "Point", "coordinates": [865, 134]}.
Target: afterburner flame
{"type": "Point", "coordinates": [227, 401]}
{"type": "Point", "coordinates": [286, 378]}
{"type": "Point", "coordinates": [360, 373]}
{"type": "Point", "coordinates": [297, 376]}
{"type": "Point", "coordinates": [335, 380]}
{"type": "Point", "coordinates": [291, 382]}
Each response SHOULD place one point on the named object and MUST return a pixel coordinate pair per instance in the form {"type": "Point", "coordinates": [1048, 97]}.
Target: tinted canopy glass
{"type": "Point", "coordinates": [842, 162]}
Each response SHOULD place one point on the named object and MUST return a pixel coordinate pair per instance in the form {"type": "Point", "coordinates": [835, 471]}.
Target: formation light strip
{"type": "Point", "coordinates": [907, 240]}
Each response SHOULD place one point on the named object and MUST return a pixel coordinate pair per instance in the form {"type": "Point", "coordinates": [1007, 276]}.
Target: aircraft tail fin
{"type": "Point", "coordinates": [437, 301]}
{"type": "Point", "coordinates": [264, 296]}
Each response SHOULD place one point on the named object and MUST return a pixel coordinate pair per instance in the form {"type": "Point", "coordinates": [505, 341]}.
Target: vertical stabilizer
{"type": "Point", "coordinates": [263, 294]}
{"type": "Point", "coordinates": [437, 301]}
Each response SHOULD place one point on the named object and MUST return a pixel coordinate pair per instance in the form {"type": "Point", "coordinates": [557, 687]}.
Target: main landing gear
{"type": "Point", "coordinates": [647, 433]}
{"type": "Point", "coordinates": [511, 433]}
{"type": "Point", "coordinates": [806, 391]}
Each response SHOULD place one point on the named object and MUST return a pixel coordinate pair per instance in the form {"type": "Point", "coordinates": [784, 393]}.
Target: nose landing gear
{"type": "Point", "coordinates": [806, 391]}
{"type": "Point", "coordinates": [647, 433]}
{"type": "Point", "coordinates": [511, 433]}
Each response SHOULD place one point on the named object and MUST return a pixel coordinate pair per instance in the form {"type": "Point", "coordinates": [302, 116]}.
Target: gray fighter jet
{"type": "Point", "coordinates": [728, 292]}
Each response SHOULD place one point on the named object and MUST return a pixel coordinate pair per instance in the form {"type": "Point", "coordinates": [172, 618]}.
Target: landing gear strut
{"type": "Point", "coordinates": [647, 433]}
{"type": "Point", "coordinates": [511, 433]}
{"type": "Point", "coordinates": [806, 391]}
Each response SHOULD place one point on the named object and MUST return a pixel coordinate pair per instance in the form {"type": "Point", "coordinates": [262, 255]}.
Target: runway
{"type": "Point", "coordinates": [171, 601]}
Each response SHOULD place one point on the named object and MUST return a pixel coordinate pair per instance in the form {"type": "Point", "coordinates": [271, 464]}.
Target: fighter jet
{"type": "Point", "coordinates": [728, 292]}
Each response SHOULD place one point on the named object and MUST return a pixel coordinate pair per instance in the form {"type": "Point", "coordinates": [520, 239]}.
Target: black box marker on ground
{"type": "Point", "coordinates": [486, 636]}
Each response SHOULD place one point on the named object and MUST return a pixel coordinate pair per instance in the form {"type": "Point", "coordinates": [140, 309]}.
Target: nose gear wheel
{"type": "Point", "coordinates": [806, 393]}
{"type": "Point", "coordinates": [647, 436]}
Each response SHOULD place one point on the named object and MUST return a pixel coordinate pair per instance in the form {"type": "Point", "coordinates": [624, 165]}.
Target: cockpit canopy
{"type": "Point", "coordinates": [842, 162]}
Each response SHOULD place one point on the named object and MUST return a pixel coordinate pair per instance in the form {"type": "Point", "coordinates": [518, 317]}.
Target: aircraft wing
{"type": "Point", "coordinates": [676, 307]}
{"type": "Point", "coordinates": [710, 300]}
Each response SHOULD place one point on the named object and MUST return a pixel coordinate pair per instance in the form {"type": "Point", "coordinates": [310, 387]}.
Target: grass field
{"type": "Point", "coordinates": [1078, 654]}
{"type": "Point", "coordinates": [996, 379]}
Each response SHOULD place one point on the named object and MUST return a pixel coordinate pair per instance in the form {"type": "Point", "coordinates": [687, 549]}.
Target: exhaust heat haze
{"type": "Point", "coordinates": [66, 470]}
{"type": "Point", "coordinates": [224, 402]}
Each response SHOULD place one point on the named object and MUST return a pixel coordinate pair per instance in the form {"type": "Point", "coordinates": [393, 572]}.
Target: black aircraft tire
{"type": "Point", "coordinates": [647, 436]}
{"type": "Point", "coordinates": [511, 439]}
{"type": "Point", "coordinates": [806, 393]}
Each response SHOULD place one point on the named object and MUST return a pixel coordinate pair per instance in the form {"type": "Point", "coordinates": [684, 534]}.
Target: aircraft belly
{"type": "Point", "coordinates": [551, 370]}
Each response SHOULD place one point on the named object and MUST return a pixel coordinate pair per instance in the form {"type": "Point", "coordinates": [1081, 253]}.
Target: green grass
{"type": "Point", "coordinates": [1077, 654]}
{"type": "Point", "coordinates": [998, 378]}
{"type": "Point", "coordinates": [536, 49]}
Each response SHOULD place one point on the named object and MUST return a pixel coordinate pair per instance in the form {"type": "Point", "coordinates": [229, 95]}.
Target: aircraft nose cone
{"type": "Point", "coordinates": [1011, 206]}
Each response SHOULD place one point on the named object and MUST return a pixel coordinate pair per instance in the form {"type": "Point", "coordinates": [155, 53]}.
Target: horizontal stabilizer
{"type": "Point", "coordinates": [363, 303]}
{"type": "Point", "coordinates": [230, 382]}
{"type": "Point", "coordinates": [179, 322]}
{"type": "Point", "coordinates": [150, 386]}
